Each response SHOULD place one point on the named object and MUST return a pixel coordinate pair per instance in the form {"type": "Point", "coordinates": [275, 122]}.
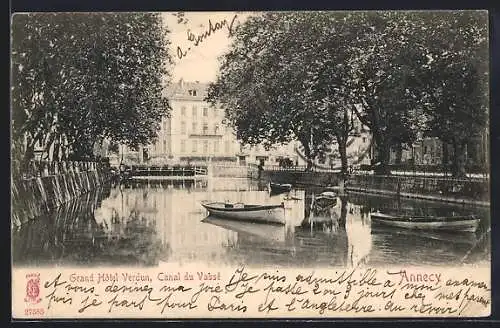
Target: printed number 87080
{"type": "Point", "coordinates": [34, 311]}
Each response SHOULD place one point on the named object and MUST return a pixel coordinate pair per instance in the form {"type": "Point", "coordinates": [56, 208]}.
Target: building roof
{"type": "Point", "coordinates": [183, 90]}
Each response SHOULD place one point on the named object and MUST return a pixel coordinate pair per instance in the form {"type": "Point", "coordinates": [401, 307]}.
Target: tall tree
{"type": "Point", "coordinates": [80, 78]}
{"type": "Point", "coordinates": [386, 82]}
{"type": "Point", "coordinates": [296, 76]}
{"type": "Point", "coordinates": [280, 82]}
{"type": "Point", "coordinates": [457, 96]}
{"type": "Point", "coordinates": [421, 71]}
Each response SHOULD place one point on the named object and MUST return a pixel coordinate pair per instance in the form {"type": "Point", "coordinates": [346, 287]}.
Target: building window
{"type": "Point", "coordinates": [227, 146]}
{"type": "Point", "coordinates": [183, 127]}
{"type": "Point", "coordinates": [195, 146]}
{"type": "Point", "coordinates": [195, 111]}
{"type": "Point", "coordinates": [205, 111]}
{"type": "Point", "coordinates": [216, 147]}
{"type": "Point", "coordinates": [164, 146]}
{"type": "Point", "coordinates": [205, 128]}
{"type": "Point", "coordinates": [165, 126]}
{"type": "Point", "coordinates": [205, 147]}
{"type": "Point", "coordinates": [183, 146]}
{"type": "Point", "coordinates": [183, 110]}
{"type": "Point", "coordinates": [194, 128]}
{"type": "Point", "coordinates": [216, 129]}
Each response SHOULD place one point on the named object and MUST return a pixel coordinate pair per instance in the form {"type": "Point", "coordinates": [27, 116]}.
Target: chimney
{"type": "Point", "coordinates": [181, 82]}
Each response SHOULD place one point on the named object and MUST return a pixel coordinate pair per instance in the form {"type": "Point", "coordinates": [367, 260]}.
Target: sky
{"type": "Point", "coordinates": [200, 62]}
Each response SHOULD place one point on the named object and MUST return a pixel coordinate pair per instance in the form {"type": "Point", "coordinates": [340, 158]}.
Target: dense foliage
{"type": "Point", "coordinates": [80, 78]}
{"type": "Point", "coordinates": [296, 76]}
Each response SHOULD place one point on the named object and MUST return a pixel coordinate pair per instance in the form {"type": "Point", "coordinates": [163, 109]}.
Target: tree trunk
{"type": "Point", "coordinates": [446, 156]}
{"type": "Point", "coordinates": [382, 156]}
{"type": "Point", "coordinates": [399, 152]}
{"type": "Point", "coordinates": [459, 159]}
{"type": "Point", "coordinates": [308, 154]}
{"type": "Point", "coordinates": [309, 165]}
{"type": "Point", "coordinates": [343, 212]}
{"type": "Point", "coordinates": [63, 150]}
{"type": "Point", "coordinates": [307, 208]}
{"type": "Point", "coordinates": [342, 145]}
{"type": "Point", "coordinates": [28, 155]}
{"type": "Point", "coordinates": [55, 153]}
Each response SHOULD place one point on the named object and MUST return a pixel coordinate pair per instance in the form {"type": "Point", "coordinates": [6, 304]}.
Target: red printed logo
{"type": "Point", "coordinates": [33, 288]}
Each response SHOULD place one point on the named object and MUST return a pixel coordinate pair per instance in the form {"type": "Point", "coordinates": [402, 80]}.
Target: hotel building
{"type": "Point", "coordinates": [195, 130]}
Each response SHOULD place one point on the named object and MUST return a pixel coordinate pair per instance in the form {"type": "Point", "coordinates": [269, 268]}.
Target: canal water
{"type": "Point", "coordinates": [145, 223]}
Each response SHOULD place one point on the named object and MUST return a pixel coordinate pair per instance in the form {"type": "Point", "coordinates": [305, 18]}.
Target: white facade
{"type": "Point", "coordinates": [195, 131]}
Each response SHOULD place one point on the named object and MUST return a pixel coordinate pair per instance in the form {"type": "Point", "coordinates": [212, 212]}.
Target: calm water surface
{"type": "Point", "coordinates": [143, 224]}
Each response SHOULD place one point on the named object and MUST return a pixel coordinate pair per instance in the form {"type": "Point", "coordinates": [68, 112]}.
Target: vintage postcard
{"type": "Point", "coordinates": [250, 165]}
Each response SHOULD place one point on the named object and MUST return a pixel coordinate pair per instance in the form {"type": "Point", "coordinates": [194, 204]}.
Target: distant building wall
{"type": "Point", "coordinates": [194, 131]}
{"type": "Point", "coordinates": [431, 151]}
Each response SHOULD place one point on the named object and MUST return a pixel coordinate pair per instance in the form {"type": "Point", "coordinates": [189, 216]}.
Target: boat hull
{"type": "Point", "coordinates": [459, 224]}
{"type": "Point", "coordinates": [276, 189]}
{"type": "Point", "coordinates": [265, 214]}
{"type": "Point", "coordinates": [263, 231]}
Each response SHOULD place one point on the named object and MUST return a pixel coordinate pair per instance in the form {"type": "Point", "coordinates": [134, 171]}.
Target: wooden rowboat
{"type": "Point", "coordinates": [452, 237]}
{"type": "Point", "coordinates": [465, 223]}
{"type": "Point", "coordinates": [279, 188]}
{"type": "Point", "coordinates": [325, 200]}
{"type": "Point", "coordinates": [245, 212]}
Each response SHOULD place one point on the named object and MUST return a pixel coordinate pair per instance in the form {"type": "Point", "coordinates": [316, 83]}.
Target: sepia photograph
{"type": "Point", "coordinates": [261, 164]}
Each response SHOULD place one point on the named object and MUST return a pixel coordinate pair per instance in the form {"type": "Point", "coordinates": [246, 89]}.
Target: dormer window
{"type": "Point", "coordinates": [192, 93]}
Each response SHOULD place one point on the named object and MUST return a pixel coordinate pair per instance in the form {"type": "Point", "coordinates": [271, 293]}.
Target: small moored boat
{"type": "Point", "coordinates": [279, 188]}
{"type": "Point", "coordinates": [464, 223]}
{"type": "Point", "coordinates": [246, 212]}
{"type": "Point", "coordinates": [325, 200]}
{"type": "Point", "coordinates": [452, 237]}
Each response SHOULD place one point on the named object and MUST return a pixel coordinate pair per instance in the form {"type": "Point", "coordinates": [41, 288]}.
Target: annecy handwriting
{"type": "Point", "coordinates": [356, 291]}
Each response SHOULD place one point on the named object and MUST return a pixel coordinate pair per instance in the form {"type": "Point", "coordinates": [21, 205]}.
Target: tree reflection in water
{"type": "Point", "coordinates": [72, 235]}
{"type": "Point", "coordinates": [323, 215]}
{"type": "Point", "coordinates": [142, 223]}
